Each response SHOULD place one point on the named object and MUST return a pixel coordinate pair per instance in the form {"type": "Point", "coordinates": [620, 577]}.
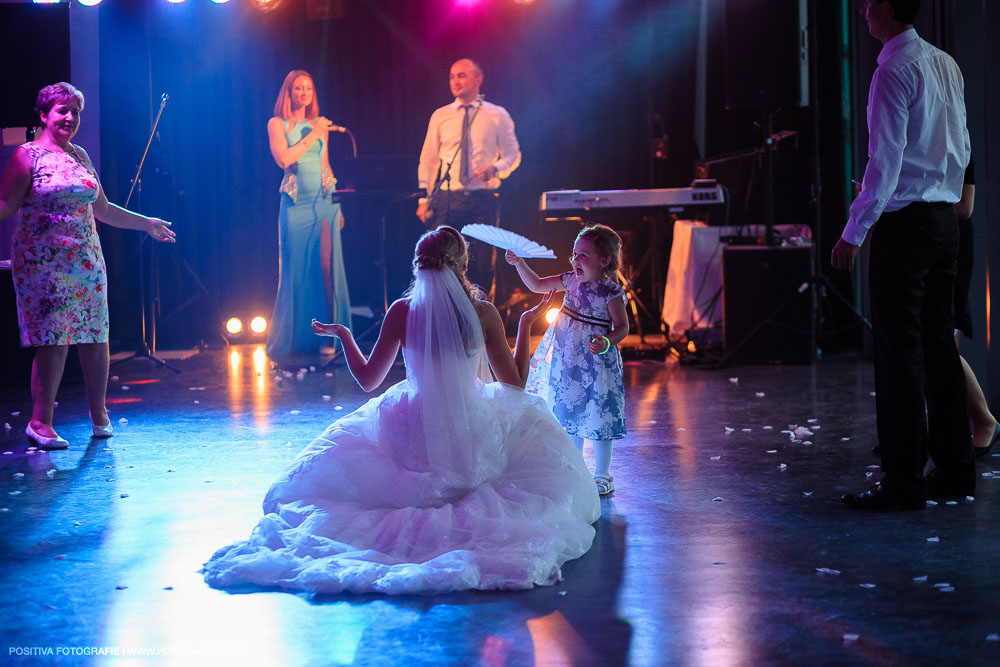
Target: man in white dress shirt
{"type": "Point", "coordinates": [468, 191]}
{"type": "Point", "coordinates": [918, 149]}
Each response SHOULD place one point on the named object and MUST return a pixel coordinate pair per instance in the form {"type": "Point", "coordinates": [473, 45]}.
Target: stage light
{"type": "Point", "coordinates": [175, 2]}
{"type": "Point", "coordinates": [266, 5]}
{"type": "Point", "coordinates": [45, 2]}
{"type": "Point", "coordinates": [89, 3]}
{"type": "Point", "coordinates": [691, 346]}
{"type": "Point", "coordinates": [258, 325]}
{"type": "Point", "coordinates": [234, 326]}
{"type": "Point", "coordinates": [220, 2]}
{"type": "Point", "coordinates": [551, 314]}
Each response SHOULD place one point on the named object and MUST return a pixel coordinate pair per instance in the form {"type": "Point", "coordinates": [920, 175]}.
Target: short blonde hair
{"type": "Point", "coordinates": [608, 245]}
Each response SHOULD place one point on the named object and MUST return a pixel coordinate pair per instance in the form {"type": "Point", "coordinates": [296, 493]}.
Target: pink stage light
{"type": "Point", "coordinates": [468, 3]}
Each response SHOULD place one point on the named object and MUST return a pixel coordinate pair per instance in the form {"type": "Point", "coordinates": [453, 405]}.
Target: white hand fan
{"type": "Point", "coordinates": [508, 240]}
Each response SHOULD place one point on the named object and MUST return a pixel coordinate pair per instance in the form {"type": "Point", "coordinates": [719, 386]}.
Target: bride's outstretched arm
{"type": "Point", "coordinates": [522, 348]}
{"type": "Point", "coordinates": [371, 371]}
{"type": "Point", "coordinates": [507, 368]}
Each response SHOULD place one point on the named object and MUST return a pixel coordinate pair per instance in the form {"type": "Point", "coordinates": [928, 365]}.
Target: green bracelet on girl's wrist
{"type": "Point", "coordinates": [607, 344]}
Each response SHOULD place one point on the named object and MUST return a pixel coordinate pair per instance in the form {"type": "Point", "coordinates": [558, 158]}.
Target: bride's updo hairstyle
{"type": "Point", "coordinates": [445, 248]}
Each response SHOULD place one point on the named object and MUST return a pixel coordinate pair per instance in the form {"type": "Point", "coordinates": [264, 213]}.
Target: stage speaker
{"type": "Point", "coordinates": [766, 54]}
{"type": "Point", "coordinates": [765, 311]}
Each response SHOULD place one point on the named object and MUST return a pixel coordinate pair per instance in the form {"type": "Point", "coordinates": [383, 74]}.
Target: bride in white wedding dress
{"type": "Point", "coordinates": [443, 482]}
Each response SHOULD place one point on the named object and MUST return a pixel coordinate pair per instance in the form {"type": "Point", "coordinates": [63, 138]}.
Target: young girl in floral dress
{"type": "Point", "coordinates": [577, 367]}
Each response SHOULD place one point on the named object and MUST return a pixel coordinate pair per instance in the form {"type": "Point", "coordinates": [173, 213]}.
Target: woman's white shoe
{"type": "Point", "coordinates": [46, 442]}
{"type": "Point", "coordinates": [105, 431]}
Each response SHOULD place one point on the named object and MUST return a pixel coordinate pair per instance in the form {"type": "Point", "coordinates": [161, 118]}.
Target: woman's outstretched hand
{"type": "Point", "coordinates": [532, 314]}
{"type": "Point", "coordinates": [159, 230]}
{"type": "Point", "coordinates": [338, 330]}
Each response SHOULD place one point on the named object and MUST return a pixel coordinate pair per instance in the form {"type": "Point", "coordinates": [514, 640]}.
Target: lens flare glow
{"type": "Point", "coordinates": [266, 5]}
{"type": "Point", "coordinates": [234, 325]}
{"type": "Point", "coordinates": [89, 3]}
{"type": "Point", "coordinates": [551, 314]}
{"type": "Point", "coordinates": [258, 325]}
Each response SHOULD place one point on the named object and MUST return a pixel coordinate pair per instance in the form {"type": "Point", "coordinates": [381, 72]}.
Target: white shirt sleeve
{"type": "Point", "coordinates": [430, 161]}
{"type": "Point", "coordinates": [509, 148]}
{"type": "Point", "coordinates": [888, 115]}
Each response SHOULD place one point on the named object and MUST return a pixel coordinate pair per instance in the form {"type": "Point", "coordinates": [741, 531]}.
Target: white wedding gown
{"type": "Point", "coordinates": [442, 483]}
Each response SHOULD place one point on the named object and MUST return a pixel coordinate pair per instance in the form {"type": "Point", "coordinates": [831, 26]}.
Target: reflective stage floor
{"type": "Point", "coordinates": [725, 543]}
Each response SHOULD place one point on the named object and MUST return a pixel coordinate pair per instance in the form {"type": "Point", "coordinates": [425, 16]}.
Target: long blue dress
{"type": "Point", "coordinates": [302, 287]}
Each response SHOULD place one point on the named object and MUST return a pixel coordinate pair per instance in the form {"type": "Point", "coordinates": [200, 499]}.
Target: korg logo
{"type": "Point", "coordinates": [704, 196]}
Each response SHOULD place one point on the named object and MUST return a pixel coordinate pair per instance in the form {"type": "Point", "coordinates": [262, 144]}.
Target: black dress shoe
{"type": "Point", "coordinates": [941, 485]}
{"type": "Point", "coordinates": [878, 498]}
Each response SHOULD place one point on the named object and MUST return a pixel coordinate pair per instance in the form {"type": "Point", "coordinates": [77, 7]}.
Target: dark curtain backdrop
{"type": "Point", "coordinates": [582, 81]}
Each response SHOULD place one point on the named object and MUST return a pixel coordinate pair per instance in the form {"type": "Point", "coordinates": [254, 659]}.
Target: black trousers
{"type": "Point", "coordinates": [460, 208]}
{"type": "Point", "coordinates": [920, 386]}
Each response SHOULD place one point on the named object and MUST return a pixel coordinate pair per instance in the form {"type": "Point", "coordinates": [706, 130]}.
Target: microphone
{"type": "Point", "coordinates": [338, 128]}
{"type": "Point", "coordinates": [479, 98]}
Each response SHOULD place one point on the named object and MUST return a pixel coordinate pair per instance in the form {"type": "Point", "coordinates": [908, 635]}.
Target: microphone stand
{"type": "Point", "coordinates": [145, 349]}
{"type": "Point", "coordinates": [447, 171]}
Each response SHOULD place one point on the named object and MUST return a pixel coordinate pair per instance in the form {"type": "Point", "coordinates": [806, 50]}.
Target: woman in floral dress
{"type": "Point", "coordinates": [58, 268]}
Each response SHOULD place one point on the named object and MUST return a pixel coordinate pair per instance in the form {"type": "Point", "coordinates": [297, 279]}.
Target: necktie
{"type": "Point", "coordinates": [465, 166]}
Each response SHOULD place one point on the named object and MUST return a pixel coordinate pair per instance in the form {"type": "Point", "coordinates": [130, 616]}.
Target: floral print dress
{"type": "Point", "coordinates": [59, 275]}
{"type": "Point", "coordinates": [585, 391]}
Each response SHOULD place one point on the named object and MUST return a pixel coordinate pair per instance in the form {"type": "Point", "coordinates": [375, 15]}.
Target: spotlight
{"type": "Point", "coordinates": [266, 5]}
{"type": "Point", "coordinates": [89, 3]}
{"type": "Point", "coordinates": [234, 326]}
{"type": "Point", "coordinates": [175, 2]}
{"type": "Point", "coordinates": [258, 325]}
{"type": "Point", "coordinates": [551, 314]}
{"type": "Point", "coordinates": [220, 2]}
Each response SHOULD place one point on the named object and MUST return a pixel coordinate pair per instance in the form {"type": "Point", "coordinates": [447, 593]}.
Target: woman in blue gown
{"type": "Point", "coordinates": [311, 278]}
